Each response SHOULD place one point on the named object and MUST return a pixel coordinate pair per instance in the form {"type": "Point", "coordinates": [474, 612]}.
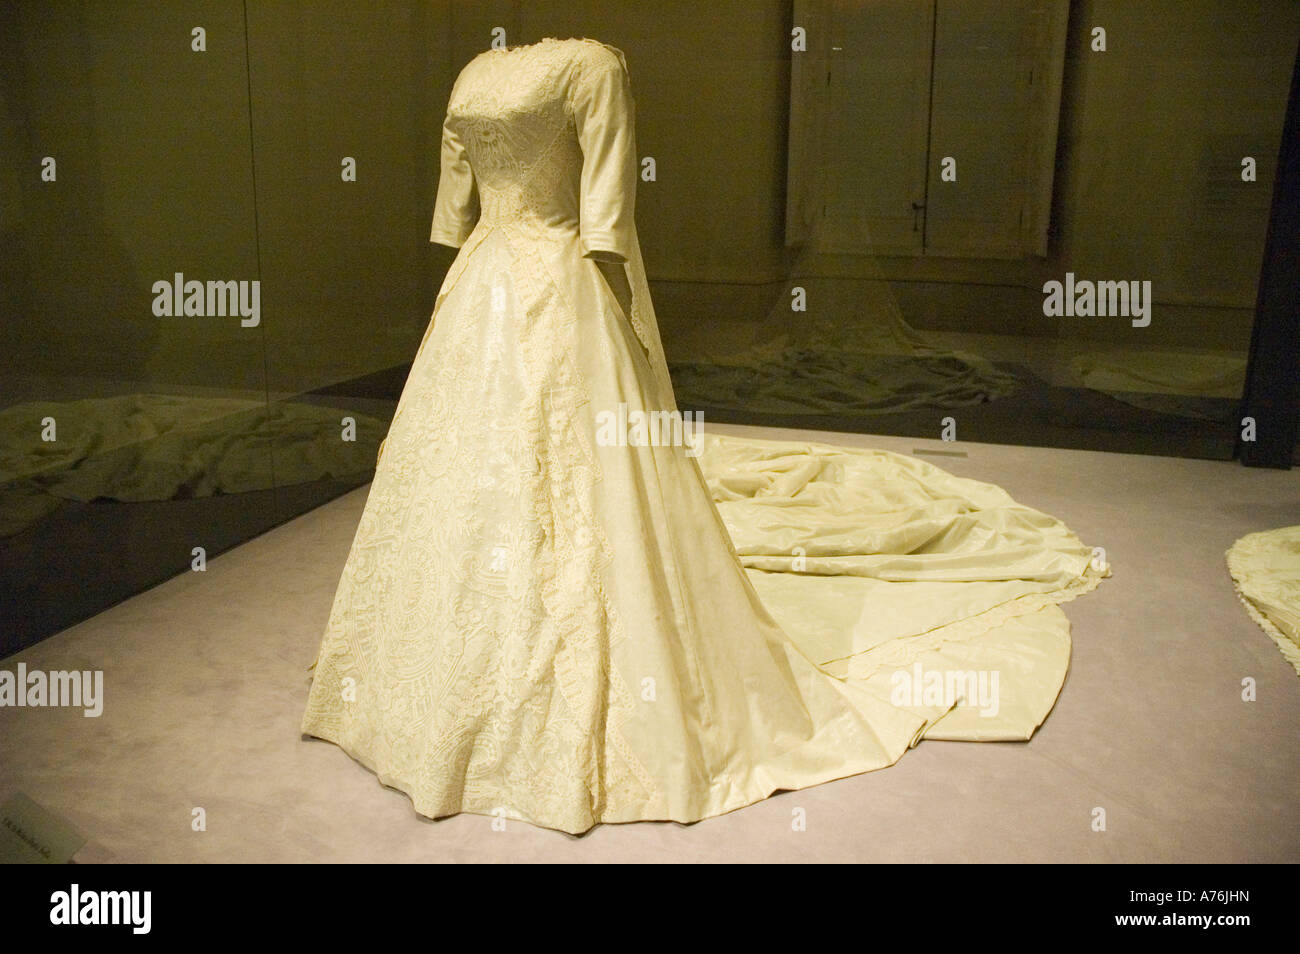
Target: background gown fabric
{"type": "Point", "coordinates": [541, 622]}
{"type": "Point", "coordinates": [1265, 571]}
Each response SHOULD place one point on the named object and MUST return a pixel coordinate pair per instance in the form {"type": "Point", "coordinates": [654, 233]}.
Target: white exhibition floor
{"type": "Point", "coordinates": [207, 678]}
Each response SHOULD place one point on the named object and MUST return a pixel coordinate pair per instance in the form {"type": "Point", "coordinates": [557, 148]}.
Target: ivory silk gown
{"type": "Point", "coordinates": [538, 623]}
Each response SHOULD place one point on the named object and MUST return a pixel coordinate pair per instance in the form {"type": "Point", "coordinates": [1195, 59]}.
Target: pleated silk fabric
{"type": "Point", "coordinates": [540, 622]}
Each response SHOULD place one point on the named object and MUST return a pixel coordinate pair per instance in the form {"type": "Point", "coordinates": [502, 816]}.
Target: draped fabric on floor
{"type": "Point", "coordinates": [881, 565]}
{"type": "Point", "coordinates": [149, 447]}
{"type": "Point", "coordinates": [1265, 569]}
{"type": "Point", "coordinates": [807, 381]}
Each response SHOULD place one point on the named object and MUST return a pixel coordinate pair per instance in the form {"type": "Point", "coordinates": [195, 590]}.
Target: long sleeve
{"type": "Point", "coordinates": [457, 207]}
{"type": "Point", "coordinates": [604, 114]}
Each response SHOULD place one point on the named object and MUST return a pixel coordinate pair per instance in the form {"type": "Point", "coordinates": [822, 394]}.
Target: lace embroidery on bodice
{"type": "Point", "coordinates": [513, 110]}
{"type": "Point", "coordinates": [539, 142]}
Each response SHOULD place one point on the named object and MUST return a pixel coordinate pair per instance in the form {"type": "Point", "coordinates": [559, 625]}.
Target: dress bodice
{"type": "Point", "coordinates": [539, 139]}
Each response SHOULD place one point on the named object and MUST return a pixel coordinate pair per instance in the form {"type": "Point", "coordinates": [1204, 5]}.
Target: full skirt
{"type": "Point", "coordinates": [552, 613]}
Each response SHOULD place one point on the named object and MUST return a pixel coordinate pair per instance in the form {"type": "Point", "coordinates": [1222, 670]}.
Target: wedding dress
{"type": "Point", "coordinates": [538, 622]}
